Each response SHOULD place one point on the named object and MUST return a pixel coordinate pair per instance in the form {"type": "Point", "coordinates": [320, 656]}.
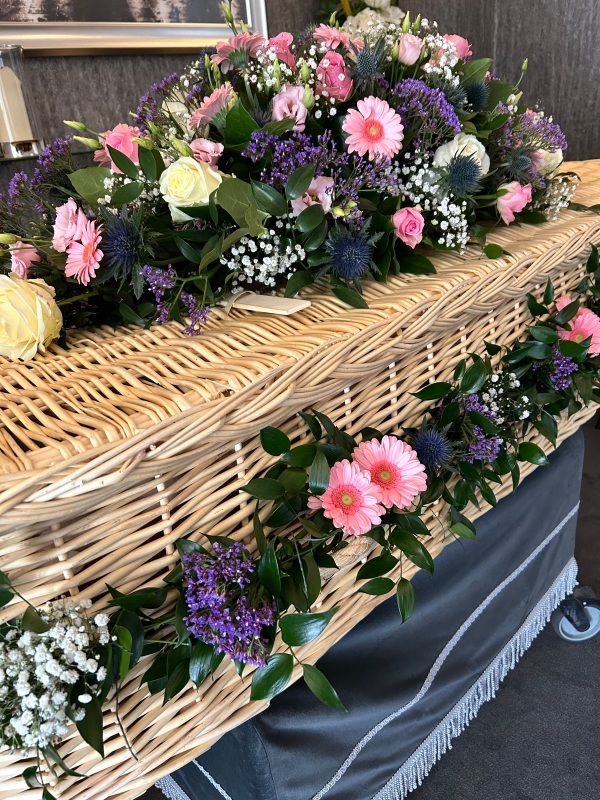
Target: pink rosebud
{"type": "Point", "coordinates": [320, 191]}
{"type": "Point", "coordinates": [281, 44]}
{"type": "Point", "coordinates": [409, 224]}
{"type": "Point", "coordinates": [461, 44]}
{"type": "Point", "coordinates": [409, 49]}
{"type": "Point", "coordinates": [206, 151]}
{"type": "Point", "coordinates": [515, 200]}
{"type": "Point", "coordinates": [121, 139]}
{"type": "Point", "coordinates": [68, 225]}
{"type": "Point", "coordinates": [211, 106]}
{"type": "Point", "coordinates": [22, 256]}
{"type": "Point", "coordinates": [288, 103]}
{"type": "Point", "coordinates": [333, 77]}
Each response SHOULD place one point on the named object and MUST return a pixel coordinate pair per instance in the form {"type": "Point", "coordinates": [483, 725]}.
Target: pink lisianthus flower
{"type": "Point", "coordinates": [288, 103]}
{"type": "Point", "coordinates": [22, 256]}
{"type": "Point", "coordinates": [394, 468]}
{"type": "Point", "coordinates": [68, 225]}
{"type": "Point", "coordinates": [211, 105]}
{"type": "Point", "coordinates": [121, 139]}
{"type": "Point", "coordinates": [409, 49]}
{"type": "Point", "coordinates": [583, 325]}
{"type": "Point", "coordinates": [84, 257]}
{"type": "Point", "coordinates": [206, 151]}
{"type": "Point", "coordinates": [462, 46]}
{"type": "Point", "coordinates": [333, 77]}
{"type": "Point", "coordinates": [515, 200]}
{"type": "Point", "coordinates": [236, 51]}
{"type": "Point", "coordinates": [334, 37]}
{"type": "Point", "coordinates": [281, 44]}
{"type": "Point", "coordinates": [374, 128]}
{"type": "Point", "coordinates": [320, 191]}
{"type": "Point", "coordinates": [409, 224]}
{"type": "Point", "coordinates": [351, 500]}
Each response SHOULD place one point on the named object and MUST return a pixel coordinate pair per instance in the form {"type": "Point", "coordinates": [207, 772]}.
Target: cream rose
{"type": "Point", "coordinates": [546, 161]}
{"type": "Point", "coordinates": [464, 144]}
{"type": "Point", "coordinates": [187, 182]}
{"type": "Point", "coordinates": [29, 317]}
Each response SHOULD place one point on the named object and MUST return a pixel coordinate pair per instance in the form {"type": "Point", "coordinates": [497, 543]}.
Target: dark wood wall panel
{"type": "Point", "coordinates": [473, 19]}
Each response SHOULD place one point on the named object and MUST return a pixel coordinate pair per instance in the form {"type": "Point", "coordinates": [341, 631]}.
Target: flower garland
{"type": "Point", "coordinates": [56, 665]}
{"type": "Point", "coordinates": [348, 151]}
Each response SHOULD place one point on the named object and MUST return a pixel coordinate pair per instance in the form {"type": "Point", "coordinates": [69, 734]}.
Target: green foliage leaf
{"type": "Point", "coordinates": [239, 125]}
{"type": "Point", "coordinates": [535, 309]}
{"type": "Point", "coordinates": [567, 313]}
{"type": "Point", "coordinates": [377, 566]}
{"type": "Point", "coordinates": [127, 193]}
{"type": "Point", "coordinates": [475, 70]}
{"type": "Point", "coordinates": [300, 456]}
{"type": "Point", "coordinates": [269, 199]}
{"type": "Point", "coordinates": [30, 777]}
{"type": "Point", "coordinates": [298, 281]}
{"type": "Point", "coordinates": [532, 217]}
{"type": "Point", "coordinates": [350, 296]}
{"type": "Point", "coordinates": [148, 163]}
{"type": "Point", "coordinates": [460, 529]}
{"type": "Point", "coordinates": [406, 598]}
{"type": "Point", "coordinates": [263, 488]}
{"type": "Point", "coordinates": [415, 264]}
{"type": "Point", "coordinates": [412, 547]}
{"type": "Point", "coordinates": [274, 441]}
{"type": "Point", "coordinates": [474, 378]}
{"type": "Point", "coordinates": [6, 597]}
{"type": "Point", "coordinates": [493, 250]}
{"type": "Point", "coordinates": [298, 629]}
{"type": "Point", "coordinates": [177, 679]}
{"type": "Point", "coordinates": [541, 333]}
{"type": "Point", "coordinates": [200, 661]}
{"type": "Point", "coordinates": [321, 688]}
{"type": "Point", "coordinates": [32, 621]}
{"type": "Point", "coordinates": [484, 423]}
{"type": "Point", "coordinates": [433, 392]}
{"type": "Point", "coordinates": [571, 349]}
{"type": "Point", "coordinates": [548, 293]}
{"type": "Point", "coordinates": [593, 262]}
{"type": "Point", "coordinates": [124, 163]}
{"type": "Point", "coordinates": [90, 727]}
{"type": "Point", "coordinates": [529, 451]}
{"type": "Point", "coordinates": [316, 237]}
{"type": "Point", "coordinates": [309, 218]}
{"type": "Point", "coordinates": [492, 349]}
{"type": "Point", "coordinates": [293, 479]}
{"type": "Point", "coordinates": [272, 679]}
{"type": "Point", "coordinates": [259, 533]}
{"type": "Point", "coordinates": [377, 586]}
{"type": "Point", "coordinates": [89, 183]}
{"type": "Point", "coordinates": [547, 426]}
{"type": "Point", "coordinates": [236, 197]}
{"type": "Point", "coordinates": [313, 423]}
{"type": "Point", "coordinates": [268, 571]}
{"type": "Point", "coordinates": [318, 479]}
{"type": "Point", "coordinates": [125, 641]}
{"type": "Point", "coordinates": [150, 597]}
{"type": "Point", "coordinates": [299, 181]}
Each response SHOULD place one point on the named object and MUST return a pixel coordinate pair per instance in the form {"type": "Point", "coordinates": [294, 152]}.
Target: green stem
{"type": "Point", "coordinates": [76, 298]}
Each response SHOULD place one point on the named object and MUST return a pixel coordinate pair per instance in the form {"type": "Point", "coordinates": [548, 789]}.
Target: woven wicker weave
{"type": "Point", "coordinates": [113, 449]}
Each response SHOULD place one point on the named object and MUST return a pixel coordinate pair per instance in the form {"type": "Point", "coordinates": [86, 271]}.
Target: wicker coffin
{"type": "Point", "coordinates": [113, 449]}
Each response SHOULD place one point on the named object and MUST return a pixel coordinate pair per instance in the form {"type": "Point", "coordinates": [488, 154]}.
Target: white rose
{"type": "Point", "coordinates": [546, 161]}
{"type": "Point", "coordinates": [466, 145]}
{"type": "Point", "coordinates": [29, 317]}
{"type": "Point", "coordinates": [378, 3]}
{"type": "Point", "coordinates": [187, 182]}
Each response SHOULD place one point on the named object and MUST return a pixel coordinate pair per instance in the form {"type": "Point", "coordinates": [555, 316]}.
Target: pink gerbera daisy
{"type": "Point", "coordinates": [84, 256]}
{"type": "Point", "coordinates": [374, 129]}
{"type": "Point", "coordinates": [211, 105]}
{"type": "Point", "coordinates": [237, 49]}
{"type": "Point", "coordinates": [394, 468]}
{"type": "Point", "coordinates": [351, 500]}
{"type": "Point", "coordinates": [332, 38]}
{"type": "Point", "coordinates": [583, 325]}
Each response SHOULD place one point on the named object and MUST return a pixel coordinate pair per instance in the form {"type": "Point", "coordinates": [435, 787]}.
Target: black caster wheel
{"type": "Point", "coordinates": [576, 621]}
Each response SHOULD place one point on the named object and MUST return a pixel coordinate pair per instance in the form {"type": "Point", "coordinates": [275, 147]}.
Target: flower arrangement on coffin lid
{"type": "Point", "coordinates": [269, 163]}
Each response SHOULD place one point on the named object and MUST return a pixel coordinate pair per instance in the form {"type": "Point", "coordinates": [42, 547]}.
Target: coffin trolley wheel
{"type": "Point", "coordinates": [577, 620]}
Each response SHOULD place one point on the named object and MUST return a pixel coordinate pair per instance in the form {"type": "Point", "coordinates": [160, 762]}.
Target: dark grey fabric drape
{"type": "Point", "coordinates": [294, 749]}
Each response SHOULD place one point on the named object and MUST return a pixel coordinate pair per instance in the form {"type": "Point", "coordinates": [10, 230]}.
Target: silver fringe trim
{"type": "Point", "coordinates": [412, 773]}
{"type": "Point", "coordinates": [171, 789]}
{"type": "Point", "coordinates": [437, 665]}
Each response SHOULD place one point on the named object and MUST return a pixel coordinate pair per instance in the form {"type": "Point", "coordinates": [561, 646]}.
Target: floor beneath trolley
{"type": "Point", "coordinates": [539, 739]}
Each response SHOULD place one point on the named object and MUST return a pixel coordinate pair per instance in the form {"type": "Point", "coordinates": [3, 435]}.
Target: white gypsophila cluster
{"type": "Point", "coordinates": [261, 260]}
{"type": "Point", "coordinates": [497, 399]}
{"type": "Point", "coordinates": [559, 193]}
{"type": "Point", "coordinates": [443, 57]}
{"type": "Point", "coordinates": [262, 72]}
{"type": "Point", "coordinates": [37, 671]}
{"type": "Point", "coordinates": [418, 182]}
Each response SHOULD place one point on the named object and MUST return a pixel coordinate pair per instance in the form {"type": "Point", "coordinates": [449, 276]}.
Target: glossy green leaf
{"type": "Point", "coordinates": [298, 629]}
{"type": "Point", "coordinates": [415, 264]}
{"type": "Point", "coordinates": [177, 680]}
{"type": "Point", "coordinates": [124, 163]}
{"type": "Point", "coordinates": [535, 309]}
{"type": "Point", "coordinates": [571, 349]}
{"type": "Point", "coordinates": [298, 281]}
{"type": "Point", "coordinates": [593, 262]}
{"type": "Point", "coordinates": [268, 571]}
{"type": "Point", "coordinates": [349, 296]}
{"type": "Point", "coordinates": [315, 238]}
{"type": "Point", "coordinates": [272, 679]}
{"type": "Point", "coordinates": [318, 478]}
{"type": "Point", "coordinates": [127, 193]}
{"type": "Point", "coordinates": [236, 197]}
{"type": "Point", "coordinates": [492, 349]}
{"type": "Point", "coordinates": [259, 533]}
{"type": "Point", "coordinates": [148, 164]}
{"type": "Point", "coordinates": [309, 218]}
{"type": "Point", "coordinates": [274, 441]}
{"type": "Point", "coordinates": [199, 667]}
{"type": "Point", "coordinates": [484, 423]}
{"type": "Point", "coordinates": [406, 598]}
{"type": "Point", "coordinates": [412, 547]}
{"type": "Point", "coordinates": [6, 597]}
{"type": "Point", "coordinates": [474, 378]}
{"type": "Point", "coordinates": [542, 333]}
{"type": "Point", "coordinates": [131, 621]}
{"type": "Point", "coordinates": [300, 456]}
{"type": "Point", "coordinates": [567, 313]}
{"type": "Point", "coordinates": [263, 488]}
{"type": "Point", "coordinates": [30, 776]}
{"type": "Point", "coordinates": [90, 727]}
{"type": "Point", "coordinates": [299, 181]}
{"type": "Point", "coordinates": [269, 199]}
{"type": "Point", "coordinates": [529, 451]}
{"type": "Point", "coordinates": [293, 479]}
{"type": "Point", "coordinates": [313, 423]}
{"type": "Point", "coordinates": [377, 586]}
{"type": "Point", "coordinates": [321, 688]}
{"type": "Point", "coordinates": [493, 250]}
{"type": "Point", "coordinates": [461, 530]}
{"type": "Point", "coordinates": [32, 621]}
{"type": "Point", "coordinates": [377, 566]}
{"type": "Point", "coordinates": [548, 293]}
{"type": "Point", "coordinates": [239, 125]}
{"type": "Point", "coordinates": [433, 392]}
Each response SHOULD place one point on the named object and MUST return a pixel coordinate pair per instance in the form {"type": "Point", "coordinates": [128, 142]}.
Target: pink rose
{"type": "Point", "coordinates": [409, 49]}
{"type": "Point", "coordinates": [206, 151]}
{"type": "Point", "coordinates": [288, 103]}
{"type": "Point", "coordinates": [461, 44]}
{"type": "Point", "coordinates": [281, 43]}
{"type": "Point", "coordinates": [320, 191]}
{"type": "Point", "coordinates": [121, 139]}
{"type": "Point", "coordinates": [515, 200]}
{"type": "Point", "coordinates": [333, 77]}
{"type": "Point", "coordinates": [22, 256]}
{"type": "Point", "coordinates": [409, 224]}
{"type": "Point", "coordinates": [68, 226]}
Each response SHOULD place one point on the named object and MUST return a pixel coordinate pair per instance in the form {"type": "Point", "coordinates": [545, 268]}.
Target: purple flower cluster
{"type": "Point", "coordinates": [159, 280]}
{"type": "Point", "coordinates": [426, 112]}
{"type": "Point", "coordinates": [149, 108]}
{"type": "Point", "coordinates": [472, 402]}
{"type": "Point", "coordinates": [484, 447]}
{"type": "Point", "coordinates": [196, 314]}
{"type": "Point", "coordinates": [17, 183]}
{"type": "Point", "coordinates": [52, 169]}
{"type": "Point", "coordinates": [561, 370]}
{"type": "Point", "coordinates": [220, 613]}
{"type": "Point", "coordinates": [529, 132]}
{"type": "Point", "coordinates": [284, 155]}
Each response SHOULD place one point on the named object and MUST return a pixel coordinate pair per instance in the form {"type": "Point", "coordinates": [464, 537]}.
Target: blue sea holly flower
{"type": "Point", "coordinates": [462, 176]}
{"type": "Point", "coordinates": [432, 447]}
{"type": "Point", "coordinates": [350, 253]}
{"type": "Point", "coordinates": [122, 245]}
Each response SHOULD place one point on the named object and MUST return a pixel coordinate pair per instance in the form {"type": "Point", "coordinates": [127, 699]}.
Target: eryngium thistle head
{"type": "Point", "coordinates": [478, 94]}
{"type": "Point", "coordinates": [433, 448]}
{"type": "Point", "coordinates": [367, 67]}
{"type": "Point", "coordinates": [462, 176]}
{"type": "Point", "coordinates": [519, 165]}
{"type": "Point", "coordinates": [455, 95]}
{"type": "Point", "coordinates": [350, 252]}
{"type": "Point", "coordinates": [262, 115]}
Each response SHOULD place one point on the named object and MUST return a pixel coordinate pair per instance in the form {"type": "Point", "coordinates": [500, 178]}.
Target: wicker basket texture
{"type": "Point", "coordinates": [128, 440]}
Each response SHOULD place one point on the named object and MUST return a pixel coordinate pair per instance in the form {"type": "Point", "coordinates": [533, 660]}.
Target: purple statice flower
{"type": "Point", "coordinates": [196, 314]}
{"type": "Point", "coordinates": [17, 183]}
{"type": "Point", "coordinates": [284, 155]}
{"type": "Point", "coordinates": [150, 105]}
{"type": "Point", "coordinates": [375, 175]}
{"type": "Point", "coordinates": [473, 402]}
{"type": "Point", "coordinates": [158, 280]}
{"type": "Point", "coordinates": [425, 113]}
{"type": "Point", "coordinates": [484, 447]}
{"type": "Point", "coordinates": [220, 612]}
{"type": "Point", "coordinates": [561, 370]}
